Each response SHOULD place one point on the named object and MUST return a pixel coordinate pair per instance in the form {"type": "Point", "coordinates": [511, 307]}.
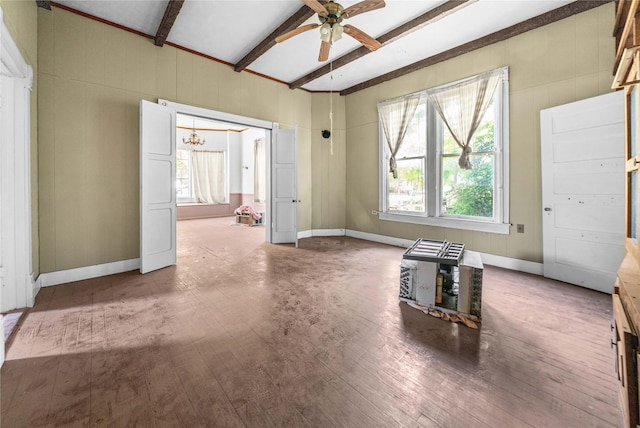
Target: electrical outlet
{"type": "Point", "coordinates": [520, 228]}
{"type": "Point", "coordinates": [374, 212]}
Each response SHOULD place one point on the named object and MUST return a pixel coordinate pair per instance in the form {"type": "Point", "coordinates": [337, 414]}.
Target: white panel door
{"type": "Point", "coordinates": [8, 280]}
{"type": "Point", "coordinates": [582, 148]}
{"type": "Point", "coordinates": [157, 187]}
{"type": "Point", "coordinates": [283, 191]}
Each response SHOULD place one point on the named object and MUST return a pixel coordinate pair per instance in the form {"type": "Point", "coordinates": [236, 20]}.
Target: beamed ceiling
{"type": "Point", "coordinates": [241, 33]}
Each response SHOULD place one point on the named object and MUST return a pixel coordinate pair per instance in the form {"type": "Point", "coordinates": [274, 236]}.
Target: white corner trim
{"type": "Point", "coordinates": [489, 259]}
{"type": "Point", "coordinates": [2, 347]}
{"type": "Point", "coordinates": [78, 274]}
{"type": "Point", "coordinates": [305, 234]}
{"type": "Point", "coordinates": [36, 286]}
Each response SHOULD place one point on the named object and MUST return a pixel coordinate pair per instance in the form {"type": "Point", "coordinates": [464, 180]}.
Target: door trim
{"type": "Point", "coordinates": [15, 176]}
{"type": "Point", "coordinates": [217, 115]}
{"type": "Point", "coordinates": [15, 171]}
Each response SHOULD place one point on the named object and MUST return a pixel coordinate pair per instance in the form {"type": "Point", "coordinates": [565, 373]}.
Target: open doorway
{"type": "Point", "coordinates": [220, 169]}
{"type": "Point", "coordinates": [158, 204]}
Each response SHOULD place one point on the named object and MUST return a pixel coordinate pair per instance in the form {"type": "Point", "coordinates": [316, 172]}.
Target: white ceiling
{"type": "Point", "coordinates": [229, 29]}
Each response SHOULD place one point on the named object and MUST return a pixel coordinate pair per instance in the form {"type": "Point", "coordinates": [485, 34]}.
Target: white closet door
{"type": "Point", "coordinates": [582, 149]}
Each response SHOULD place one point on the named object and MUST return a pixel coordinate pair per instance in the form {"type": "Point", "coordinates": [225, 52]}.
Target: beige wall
{"type": "Point", "coordinates": [328, 170]}
{"type": "Point", "coordinates": [92, 77]}
{"type": "Point", "coordinates": [21, 18]}
{"type": "Point", "coordinates": [556, 64]}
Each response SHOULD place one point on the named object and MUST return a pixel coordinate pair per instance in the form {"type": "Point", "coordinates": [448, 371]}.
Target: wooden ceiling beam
{"type": "Point", "coordinates": [169, 18]}
{"type": "Point", "coordinates": [289, 24]}
{"type": "Point", "coordinates": [558, 14]}
{"type": "Point", "coordinates": [45, 4]}
{"type": "Point", "coordinates": [423, 20]}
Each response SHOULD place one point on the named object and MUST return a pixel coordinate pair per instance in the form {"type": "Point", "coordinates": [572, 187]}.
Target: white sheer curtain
{"type": "Point", "coordinates": [461, 107]}
{"type": "Point", "coordinates": [395, 116]}
{"type": "Point", "coordinates": [209, 177]}
{"type": "Point", "coordinates": [259, 171]}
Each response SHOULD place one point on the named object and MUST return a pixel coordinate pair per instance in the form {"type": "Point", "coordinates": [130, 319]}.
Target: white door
{"type": "Point", "coordinates": [157, 186]}
{"type": "Point", "coordinates": [8, 281]}
{"type": "Point", "coordinates": [582, 148]}
{"type": "Point", "coordinates": [283, 187]}
{"type": "Point", "coordinates": [16, 273]}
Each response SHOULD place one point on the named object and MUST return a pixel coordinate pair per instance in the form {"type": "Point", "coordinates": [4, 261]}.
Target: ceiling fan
{"type": "Point", "coordinates": [330, 15]}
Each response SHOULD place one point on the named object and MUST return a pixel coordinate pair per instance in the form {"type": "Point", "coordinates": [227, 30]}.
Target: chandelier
{"type": "Point", "coordinates": [194, 139]}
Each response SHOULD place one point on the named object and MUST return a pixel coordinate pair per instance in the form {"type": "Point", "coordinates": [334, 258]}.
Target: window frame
{"type": "Point", "coordinates": [432, 215]}
{"type": "Point", "coordinates": [632, 155]}
{"type": "Point", "coordinates": [191, 198]}
{"type": "Point", "coordinates": [423, 160]}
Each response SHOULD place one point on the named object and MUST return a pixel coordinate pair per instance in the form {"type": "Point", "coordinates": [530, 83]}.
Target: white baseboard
{"type": "Point", "coordinates": [321, 232]}
{"type": "Point", "coordinates": [70, 275]}
{"type": "Point", "coordinates": [383, 239]}
{"type": "Point", "coordinates": [328, 232]}
{"type": "Point", "coordinates": [512, 264]}
{"type": "Point", "coordinates": [61, 277]}
{"type": "Point", "coordinates": [489, 259]}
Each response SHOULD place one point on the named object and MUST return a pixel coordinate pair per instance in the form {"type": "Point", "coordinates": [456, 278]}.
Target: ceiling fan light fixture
{"type": "Point", "coordinates": [330, 16]}
{"type": "Point", "coordinates": [337, 32]}
{"type": "Point", "coordinates": [325, 32]}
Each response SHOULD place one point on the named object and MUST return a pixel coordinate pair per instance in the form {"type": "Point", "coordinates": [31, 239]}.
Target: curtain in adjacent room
{"type": "Point", "coordinates": [259, 171]}
{"type": "Point", "coordinates": [209, 177]}
{"type": "Point", "coordinates": [461, 107]}
{"type": "Point", "coordinates": [395, 116]}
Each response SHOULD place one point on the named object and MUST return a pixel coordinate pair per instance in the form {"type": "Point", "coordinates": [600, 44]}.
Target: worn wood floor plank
{"type": "Point", "coordinates": [241, 333]}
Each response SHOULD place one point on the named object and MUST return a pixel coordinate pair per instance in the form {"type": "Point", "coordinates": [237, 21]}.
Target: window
{"type": "Point", "coordinates": [631, 165]}
{"type": "Point", "coordinates": [433, 184]}
{"type": "Point", "coordinates": [184, 185]}
{"type": "Point", "coordinates": [201, 177]}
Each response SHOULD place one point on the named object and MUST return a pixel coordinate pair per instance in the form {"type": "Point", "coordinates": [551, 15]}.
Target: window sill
{"type": "Point", "coordinates": [478, 226]}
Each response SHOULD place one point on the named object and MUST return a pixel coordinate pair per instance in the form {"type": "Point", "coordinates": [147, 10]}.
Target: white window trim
{"type": "Point", "coordinates": [191, 199]}
{"type": "Point", "coordinates": [432, 217]}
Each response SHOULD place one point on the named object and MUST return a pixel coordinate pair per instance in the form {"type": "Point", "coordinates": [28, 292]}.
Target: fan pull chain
{"type": "Point", "coordinates": [331, 96]}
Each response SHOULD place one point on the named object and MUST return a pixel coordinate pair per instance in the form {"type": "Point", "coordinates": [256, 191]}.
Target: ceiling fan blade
{"type": "Point", "coordinates": [362, 7]}
{"type": "Point", "coordinates": [325, 47]}
{"type": "Point", "coordinates": [316, 6]}
{"type": "Point", "coordinates": [368, 41]}
{"type": "Point", "coordinates": [295, 32]}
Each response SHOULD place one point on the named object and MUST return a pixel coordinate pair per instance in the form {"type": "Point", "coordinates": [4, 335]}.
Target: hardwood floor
{"type": "Point", "coordinates": [244, 333]}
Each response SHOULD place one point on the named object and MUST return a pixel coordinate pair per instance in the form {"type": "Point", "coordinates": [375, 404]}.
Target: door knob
{"type": "Point", "coordinates": [547, 209]}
